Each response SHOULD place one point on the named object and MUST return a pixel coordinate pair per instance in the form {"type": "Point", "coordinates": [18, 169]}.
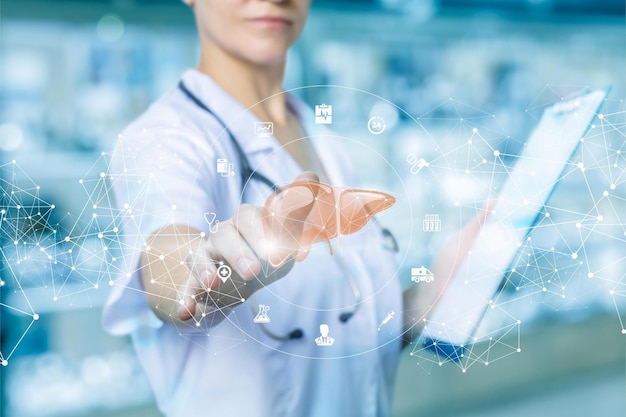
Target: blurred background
{"type": "Point", "coordinates": [74, 73]}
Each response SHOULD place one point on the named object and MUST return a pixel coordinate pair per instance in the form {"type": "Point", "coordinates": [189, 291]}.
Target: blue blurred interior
{"type": "Point", "coordinates": [74, 73]}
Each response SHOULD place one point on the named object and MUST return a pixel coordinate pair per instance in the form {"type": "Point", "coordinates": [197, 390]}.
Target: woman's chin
{"type": "Point", "coordinates": [267, 55]}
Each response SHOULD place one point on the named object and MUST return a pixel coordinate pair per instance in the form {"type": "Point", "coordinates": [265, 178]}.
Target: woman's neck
{"type": "Point", "coordinates": [255, 86]}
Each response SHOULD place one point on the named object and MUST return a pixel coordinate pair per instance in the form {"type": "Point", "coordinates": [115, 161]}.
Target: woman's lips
{"type": "Point", "coordinates": [270, 22]}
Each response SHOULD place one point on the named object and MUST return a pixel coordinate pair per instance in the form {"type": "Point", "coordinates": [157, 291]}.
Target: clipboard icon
{"type": "Point", "coordinates": [323, 114]}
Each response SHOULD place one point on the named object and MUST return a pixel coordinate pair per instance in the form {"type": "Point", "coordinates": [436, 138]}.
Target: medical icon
{"type": "Point", "coordinates": [323, 114]}
{"type": "Point", "coordinates": [388, 317]}
{"type": "Point", "coordinates": [324, 339]}
{"type": "Point", "coordinates": [224, 272]}
{"type": "Point", "coordinates": [262, 316]}
{"type": "Point", "coordinates": [328, 212]}
{"type": "Point", "coordinates": [416, 163]}
{"type": "Point", "coordinates": [421, 274]}
{"type": "Point", "coordinates": [263, 129]}
{"type": "Point", "coordinates": [376, 125]}
{"type": "Point", "coordinates": [224, 168]}
{"type": "Point", "coordinates": [211, 219]}
{"type": "Point", "coordinates": [431, 223]}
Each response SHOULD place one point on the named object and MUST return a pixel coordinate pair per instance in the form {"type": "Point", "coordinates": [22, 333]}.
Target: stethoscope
{"type": "Point", "coordinates": [248, 174]}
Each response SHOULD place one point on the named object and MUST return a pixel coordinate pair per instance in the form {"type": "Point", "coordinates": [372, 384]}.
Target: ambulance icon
{"type": "Point", "coordinates": [421, 274]}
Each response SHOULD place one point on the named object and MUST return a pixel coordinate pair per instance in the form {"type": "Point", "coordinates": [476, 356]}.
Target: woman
{"type": "Point", "coordinates": [195, 294]}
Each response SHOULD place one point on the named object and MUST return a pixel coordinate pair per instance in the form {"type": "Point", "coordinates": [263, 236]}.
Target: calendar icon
{"type": "Point", "coordinates": [323, 114]}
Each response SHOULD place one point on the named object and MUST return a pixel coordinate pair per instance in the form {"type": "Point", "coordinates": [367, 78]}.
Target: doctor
{"type": "Point", "coordinates": [196, 265]}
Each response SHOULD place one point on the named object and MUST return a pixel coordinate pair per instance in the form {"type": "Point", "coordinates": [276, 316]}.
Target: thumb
{"type": "Point", "coordinates": [285, 216]}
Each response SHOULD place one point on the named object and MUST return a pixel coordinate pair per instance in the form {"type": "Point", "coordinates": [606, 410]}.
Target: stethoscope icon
{"type": "Point", "coordinates": [211, 219]}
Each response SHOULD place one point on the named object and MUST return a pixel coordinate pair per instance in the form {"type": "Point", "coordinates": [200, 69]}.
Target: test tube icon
{"type": "Point", "coordinates": [432, 223]}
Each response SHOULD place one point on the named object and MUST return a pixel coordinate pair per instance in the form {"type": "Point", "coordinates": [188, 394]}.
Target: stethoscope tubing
{"type": "Point", "coordinates": [247, 174]}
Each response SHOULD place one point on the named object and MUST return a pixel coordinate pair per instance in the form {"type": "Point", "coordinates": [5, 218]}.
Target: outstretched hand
{"type": "Point", "coordinates": [240, 256]}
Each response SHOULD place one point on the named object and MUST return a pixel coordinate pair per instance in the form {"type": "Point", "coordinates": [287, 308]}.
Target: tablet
{"type": "Point", "coordinates": [455, 319]}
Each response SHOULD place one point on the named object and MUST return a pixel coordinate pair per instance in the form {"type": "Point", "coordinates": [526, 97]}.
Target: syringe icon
{"type": "Point", "coordinates": [389, 316]}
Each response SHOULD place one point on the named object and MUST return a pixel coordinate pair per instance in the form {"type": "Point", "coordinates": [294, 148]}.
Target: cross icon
{"type": "Point", "coordinates": [224, 272]}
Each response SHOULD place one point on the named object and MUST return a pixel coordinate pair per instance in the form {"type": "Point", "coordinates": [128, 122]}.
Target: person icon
{"type": "Point", "coordinates": [262, 316]}
{"type": "Point", "coordinates": [324, 339]}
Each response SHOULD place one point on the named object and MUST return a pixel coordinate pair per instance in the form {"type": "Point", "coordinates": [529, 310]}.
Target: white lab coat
{"type": "Point", "coordinates": [163, 171]}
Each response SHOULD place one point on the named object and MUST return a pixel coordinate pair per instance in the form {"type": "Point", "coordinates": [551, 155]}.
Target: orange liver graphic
{"type": "Point", "coordinates": [306, 212]}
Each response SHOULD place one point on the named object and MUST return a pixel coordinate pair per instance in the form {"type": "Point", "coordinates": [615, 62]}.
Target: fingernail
{"type": "Point", "coordinates": [245, 266]}
{"type": "Point", "coordinates": [183, 310]}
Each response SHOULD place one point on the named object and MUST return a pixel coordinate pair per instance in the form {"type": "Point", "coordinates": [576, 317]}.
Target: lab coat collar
{"type": "Point", "coordinates": [239, 120]}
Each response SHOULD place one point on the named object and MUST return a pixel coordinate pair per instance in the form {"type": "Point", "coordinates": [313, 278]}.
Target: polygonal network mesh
{"type": "Point", "coordinates": [575, 258]}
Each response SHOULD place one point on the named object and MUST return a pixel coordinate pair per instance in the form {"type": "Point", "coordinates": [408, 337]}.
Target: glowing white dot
{"type": "Point", "coordinates": [115, 230]}
{"type": "Point", "coordinates": [578, 225]}
{"type": "Point", "coordinates": [623, 331]}
{"type": "Point", "coordinates": [519, 350]}
{"type": "Point", "coordinates": [55, 298]}
{"type": "Point", "coordinates": [574, 255]}
{"type": "Point", "coordinates": [469, 142]}
{"type": "Point", "coordinates": [590, 275]}
{"type": "Point", "coordinates": [100, 235]}
{"type": "Point", "coordinates": [600, 217]}
{"type": "Point", "coordinates": [496, 153]}
{"type": "Point", "coordinates": [605, 193]}
{"type": "Point", "coordinates": [4, 362]}
{"type": "Point", "coordinates": [611, 292]}
{"type": "Point", "coordinates": [612, 187]}
{"type": "Point", "coordinates": [161, 257]}
{"type": "Point", "coordinates": [474, 130]}
{"type": "Point", "coordinates": [464, 370]}
{"type": "Point", "coordinates": [600, 116]}
{"type": "Point", "coordinates": [111, 282]}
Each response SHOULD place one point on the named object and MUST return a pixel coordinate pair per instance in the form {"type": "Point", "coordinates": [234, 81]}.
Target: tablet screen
{"type": "Point", "coordinates": [538, 169]}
